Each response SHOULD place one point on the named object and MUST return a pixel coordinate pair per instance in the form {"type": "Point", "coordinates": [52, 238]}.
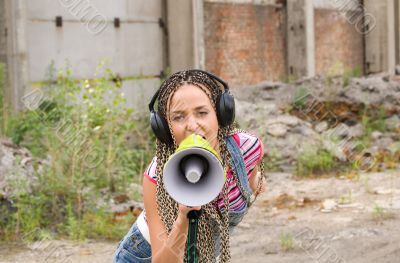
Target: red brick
{"type": "Point", "coordinates": [336, 43]}
{"type": "Point", "coordinates": [245, 43]}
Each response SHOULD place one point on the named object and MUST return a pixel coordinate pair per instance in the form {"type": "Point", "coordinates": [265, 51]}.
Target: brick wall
{"type": "Point", "coordinates": [338, 46]}
{"type": "Point", "coordinates": [245, 43]}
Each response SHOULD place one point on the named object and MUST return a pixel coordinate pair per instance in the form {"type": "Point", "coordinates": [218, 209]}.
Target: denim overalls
{"type": "Point", "coordinates": [134, 248]}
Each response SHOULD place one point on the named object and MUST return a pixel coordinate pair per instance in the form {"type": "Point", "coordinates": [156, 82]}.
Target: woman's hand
{"type": "Point", "coordinates": [184, 210]}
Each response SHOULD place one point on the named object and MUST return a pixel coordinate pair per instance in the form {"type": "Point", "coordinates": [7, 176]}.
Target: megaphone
{"type": "Point", "coordinates": [194, 175]}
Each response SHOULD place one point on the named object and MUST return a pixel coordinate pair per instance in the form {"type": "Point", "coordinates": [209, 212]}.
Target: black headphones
{"type": "Point", "coordinates": [225, 111]}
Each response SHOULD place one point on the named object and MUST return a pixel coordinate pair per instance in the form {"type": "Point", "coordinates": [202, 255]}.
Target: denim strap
{"type": "Point", "coordinates": [237, 163]}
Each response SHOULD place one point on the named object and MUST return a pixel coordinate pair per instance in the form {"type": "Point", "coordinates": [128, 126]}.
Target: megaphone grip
{"type": "Point", "coordinates": [194, 214]}
{"type": "Point", "coordinates": [192, 235]}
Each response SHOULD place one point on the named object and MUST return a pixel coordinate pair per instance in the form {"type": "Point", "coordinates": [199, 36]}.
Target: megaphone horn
{"type": "Point", "coordinates": [194, 175]}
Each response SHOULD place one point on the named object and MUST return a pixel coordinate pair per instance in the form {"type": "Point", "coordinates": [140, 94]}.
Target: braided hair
{"type": "Point", "coordinates": [167, 208]}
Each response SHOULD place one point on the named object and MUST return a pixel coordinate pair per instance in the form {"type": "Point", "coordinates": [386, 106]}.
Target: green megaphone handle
{"type": "Point", "coordinates": [193, 217]}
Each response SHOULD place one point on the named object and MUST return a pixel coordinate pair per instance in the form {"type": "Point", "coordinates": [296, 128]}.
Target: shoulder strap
{"type": "Point", "coordinates": [237, 163]}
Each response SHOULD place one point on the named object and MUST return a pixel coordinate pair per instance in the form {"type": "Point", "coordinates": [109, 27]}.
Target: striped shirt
{"type": "Point", "coordinates": [252, 150]}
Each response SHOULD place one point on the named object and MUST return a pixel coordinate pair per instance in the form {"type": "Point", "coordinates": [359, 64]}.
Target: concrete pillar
{"type": "Point", "coordinates": [300, 38]}
{"type": "Point", "coordinates": [310, 37]}
{"type": "Point", "coordinates": [380, 47]}
{"type": "Point", "coordinates": [397, 30]}
{"type": "Point", "coordinates": [198, 34]}
{"type": "Point", "coordinates": [17, 59]}
{"type": "Point", "coordinates": [391, 45]}
{"type": "Point", "coordinates": [185, 34]}
{"type": "Point", "coordinates": [180, 34]}
{"type": "Point", "coordinates": [3, 34]}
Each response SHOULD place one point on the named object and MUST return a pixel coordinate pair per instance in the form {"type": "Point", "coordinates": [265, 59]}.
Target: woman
{"type": "Point", "coordinates": [192, 102]}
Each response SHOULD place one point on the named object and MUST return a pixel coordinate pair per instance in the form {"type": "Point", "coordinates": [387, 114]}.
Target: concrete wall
{"type": "Point", "coordinates": [86, 37]}
{"type": "Point", "coordinates": [135, 48]}
{"type": "Point", "coordinates": [245, 43]}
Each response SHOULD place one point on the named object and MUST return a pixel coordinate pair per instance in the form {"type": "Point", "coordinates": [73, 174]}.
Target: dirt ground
{"type": "Point", "coordinates": [311, 220]}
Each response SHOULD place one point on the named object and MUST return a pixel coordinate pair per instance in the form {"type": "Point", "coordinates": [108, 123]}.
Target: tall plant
{"type": "Point", "coordinates": [94, 146]}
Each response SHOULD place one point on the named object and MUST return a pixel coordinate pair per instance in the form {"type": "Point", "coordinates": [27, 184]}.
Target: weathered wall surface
{"type": "Point", "coordinates": [245, 43]}
{"type": "Point", "coordinates": [86, 35]}
{"type": "Point", "coordinates": [338, 46]}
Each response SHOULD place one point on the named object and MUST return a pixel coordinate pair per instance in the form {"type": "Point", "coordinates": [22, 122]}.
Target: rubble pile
{"type": "Point", "coordinates": [322, 113]}
{"type": "Point", "coordinates": [17, 174]}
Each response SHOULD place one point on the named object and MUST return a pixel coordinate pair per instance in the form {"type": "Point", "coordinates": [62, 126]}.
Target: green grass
{"type": "Point", "coordinates": [373, 120]}
{"type": "Point", "coordinates": [300, 98]}
{"type": "Point", "coordinates": [315, 162]}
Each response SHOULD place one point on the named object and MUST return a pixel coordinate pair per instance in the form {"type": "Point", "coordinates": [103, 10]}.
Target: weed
{"type": "Point", "coordinates": [286, 241]}
{"type": "Point", "coordinates": [346, 199]}
{"type": "Point", "coordinates": [379, 214]}
{"type": "Point", "coordinates": [314, 162]}
{"type": "Point", "coordinates": [374, 120]}
{"type": "Point", "coordinates": [351, 73]}
{"type": "Point", "coordinates": [300, 98]}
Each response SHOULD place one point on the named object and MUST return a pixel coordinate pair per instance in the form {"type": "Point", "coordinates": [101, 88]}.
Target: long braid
{"type": "Point", "coordinates": [162, 153]}
{"type": "Point", "coordinates": [167, 207]}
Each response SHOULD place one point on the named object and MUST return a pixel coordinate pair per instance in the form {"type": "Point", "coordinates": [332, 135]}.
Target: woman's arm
{"type": "Point", "coordinates": [164, 247]}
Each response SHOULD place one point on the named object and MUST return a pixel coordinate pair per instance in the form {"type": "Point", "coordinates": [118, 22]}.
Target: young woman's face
{"type": "Point", "coordinates": [190, 111]}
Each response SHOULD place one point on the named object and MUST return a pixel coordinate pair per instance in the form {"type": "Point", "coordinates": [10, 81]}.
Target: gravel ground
{"type": "Point", "coordinates": [310, 220]}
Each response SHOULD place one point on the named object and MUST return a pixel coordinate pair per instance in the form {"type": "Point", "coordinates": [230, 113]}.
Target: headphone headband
{"type": "Point", "coordinates": [224, 84]}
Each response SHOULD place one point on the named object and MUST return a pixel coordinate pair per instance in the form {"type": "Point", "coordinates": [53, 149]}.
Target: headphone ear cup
{"type": "Point", "coordinates": [160, 128]}
{"type": "Point", "coordinates": [226, 109]}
